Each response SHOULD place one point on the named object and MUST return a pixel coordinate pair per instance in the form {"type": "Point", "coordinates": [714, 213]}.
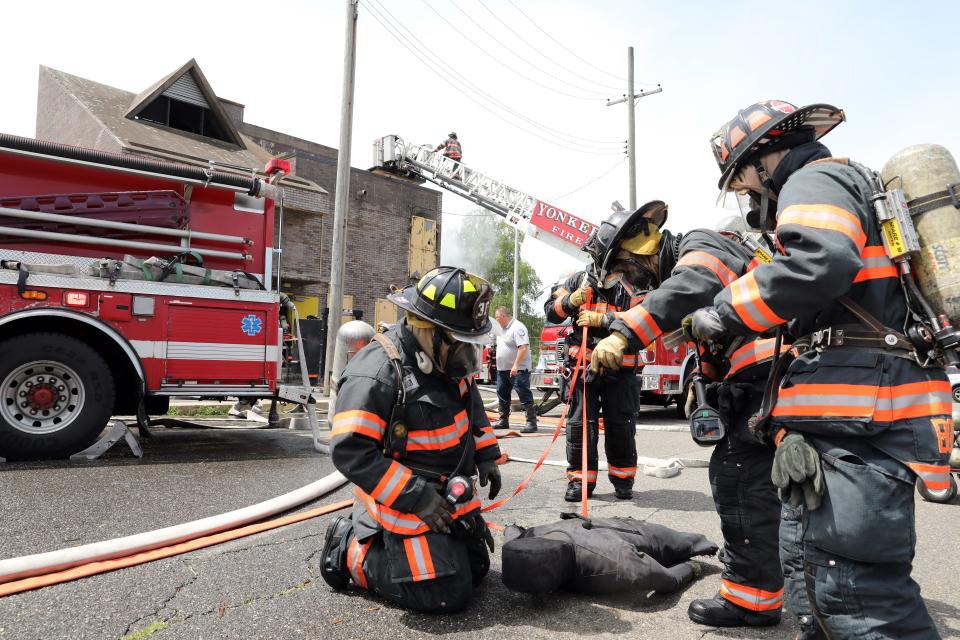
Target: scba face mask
{"type": "Point", "coordinates": [455, 358]}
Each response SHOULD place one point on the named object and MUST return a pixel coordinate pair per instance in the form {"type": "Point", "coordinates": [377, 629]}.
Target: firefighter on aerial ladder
{"type": "Point", "coordinates": [452, 149]}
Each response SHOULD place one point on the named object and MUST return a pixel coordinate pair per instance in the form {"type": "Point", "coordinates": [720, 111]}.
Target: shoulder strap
{"type": "Point", "coordinates": [395, 440]}
{"type": "Point", "coordinates": [392, 352]}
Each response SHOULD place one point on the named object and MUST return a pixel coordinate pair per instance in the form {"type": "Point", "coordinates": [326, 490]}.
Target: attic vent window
{"type": "Point", "coordinates": [183, 106]}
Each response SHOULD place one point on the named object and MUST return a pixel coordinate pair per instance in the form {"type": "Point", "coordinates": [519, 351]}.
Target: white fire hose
{"type": "Point", "coordinates": [43, 563]}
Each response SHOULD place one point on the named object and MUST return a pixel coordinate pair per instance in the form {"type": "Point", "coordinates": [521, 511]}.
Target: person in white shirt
{"type": "Point", "coordinates": [513, 370]}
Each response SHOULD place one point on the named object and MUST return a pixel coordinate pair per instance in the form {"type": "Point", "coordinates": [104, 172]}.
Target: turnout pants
{"type": "Point", "coordinates": [614, 396]}
{"type": "Point", "coordinates": [430, 573]}
{"type": "Point", "coordinates": [748, 507]}
{"type": "Point", "coordinates": [856, 550]}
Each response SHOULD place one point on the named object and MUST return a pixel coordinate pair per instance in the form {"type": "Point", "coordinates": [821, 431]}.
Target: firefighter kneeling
{"type": "Point", "coordinates": [409, 430]}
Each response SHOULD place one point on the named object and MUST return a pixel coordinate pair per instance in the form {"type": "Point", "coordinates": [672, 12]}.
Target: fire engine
{"type": "Point", "coordinates": [665, 371]}
{"type": "Point", "coordinates": [125, 281]}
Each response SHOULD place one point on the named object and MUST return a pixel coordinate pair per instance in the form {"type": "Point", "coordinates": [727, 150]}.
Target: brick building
{"type": "Point", "coordinates": [393, 224]}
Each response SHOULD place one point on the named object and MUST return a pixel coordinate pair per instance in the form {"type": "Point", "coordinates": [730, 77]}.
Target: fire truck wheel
{"type": "Point", "coordinates": [56, 395]}
{"type": "Point", "coordinates": [682, 400]}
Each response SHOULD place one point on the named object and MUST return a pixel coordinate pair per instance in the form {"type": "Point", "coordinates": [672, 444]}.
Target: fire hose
{"type": "Point", "coordinates": [41, 569]}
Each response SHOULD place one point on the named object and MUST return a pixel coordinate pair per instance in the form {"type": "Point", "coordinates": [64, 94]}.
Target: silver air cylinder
{"type": "Point", "coordinates": [351, 337]}
{"type": "Point", "coordinates": [922, 170]}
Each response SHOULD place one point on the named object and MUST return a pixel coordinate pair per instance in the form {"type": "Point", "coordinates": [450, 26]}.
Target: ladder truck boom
{"type": "Point", "coordinates": [532, 216]}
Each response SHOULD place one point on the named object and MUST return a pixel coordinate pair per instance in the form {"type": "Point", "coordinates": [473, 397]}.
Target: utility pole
{"type": "Point", "coordinates": [335, 293]}
{"type": "Point", "coordinates": [631, 99]}
{"type": "Point", "coordinates": [516, 268]}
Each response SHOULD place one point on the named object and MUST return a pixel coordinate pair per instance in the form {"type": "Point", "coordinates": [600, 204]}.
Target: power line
{"type": "Point", "coordinates": [571, 139]}
{"type": "Point", "coordinates": [405, 42]}
{"type": "Point", "coordinates": [522, 39]}
{"type": "Point", "coordinates": [587, 184]}
{"type": "Point", "coordinates": [570, 51]}
{"type": "Point", "coordinates": [507, 66]}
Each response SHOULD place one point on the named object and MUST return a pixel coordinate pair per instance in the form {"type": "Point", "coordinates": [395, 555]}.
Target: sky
{"type": "Point", "coordinates": [525, 82]}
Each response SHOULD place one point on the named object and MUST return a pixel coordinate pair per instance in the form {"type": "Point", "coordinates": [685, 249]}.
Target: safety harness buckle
{"type": "Point", "coordinates": [823, 338]}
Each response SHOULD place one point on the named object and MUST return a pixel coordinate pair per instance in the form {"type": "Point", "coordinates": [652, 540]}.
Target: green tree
{"type": "Point", "coordinates": [483, 244]}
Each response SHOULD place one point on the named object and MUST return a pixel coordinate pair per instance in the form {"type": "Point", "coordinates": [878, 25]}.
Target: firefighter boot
{"type": "Point", "coordinates": [574, 490]}
{"type": "Point", "coordinates": [332, 559]}
{"type": "Point", "coordinates": [531, 426]}
{"type": "Point", "coordinates": [720, 612]}
{"type": "Point", "coordinates": [504, 421]}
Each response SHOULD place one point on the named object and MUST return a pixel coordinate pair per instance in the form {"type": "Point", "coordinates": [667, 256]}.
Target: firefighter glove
{"type": "Point", "coordinates": [704, 325]}
{"type": "Point", "coordinates": [578, 297]}
{"type": "Point", "coordinates": [434, 510]}
{"type": "Point", "coordinates": [690, 405]}
{"type": "Point", "coordinates": [489, 472]}
{"type": "Point", "coordinates": [797, 473]}
{"type": "Point", "coordinates": [609, 352]}
{"type": "Point", "coordinates": [593, 319]}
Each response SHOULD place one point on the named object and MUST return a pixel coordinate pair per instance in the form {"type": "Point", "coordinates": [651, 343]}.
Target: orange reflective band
{"type": "Point", "coordinates": [406, 524]}
{"type": "Point", "coordinates": [486, 439]}
{"type": "Point", "coordinates": [826, 217]}
{"type": "Point", "coordinates": [943, 430]}
{"type": "Point", "coordinates": [710, 262]}
{"type": "Point", "coordinates": [439, 439]}
{"type": "Point", "coordinates": [750, 306]}
{"type": "Point", "coordinates": [756, 119]}
{"type": "Point", "coordinates": [751, 598]}
{"type": "Point", "coordinates": [736, 135]}
{"type": "Point", "coordinates": [621, 472]}
{"type": "Point", "coordinates": [882, 404]}
{"type": "Point", "coordinates": [419, 559]}
{"type": "Point", "coordinates": [393, 482]}
{"type": "Point", "coordinates": [935, 477]}
{"type": "Point", "coordinates": [600, 307]}
{"type": "Point", "coordinates": [642, 324]}
{"type": "Point", "coordinates": [876, 265]}
{"type": "Point", "coordinates": [753, 353]}
{"type": "Point", "coordinates": [360, 422]}
{"type": "Point", "coordinates": [464, 386]}
{"type": "Point", "coordinates": [575, 474]}
{"type": "Point", "coordinates": [356, 554]}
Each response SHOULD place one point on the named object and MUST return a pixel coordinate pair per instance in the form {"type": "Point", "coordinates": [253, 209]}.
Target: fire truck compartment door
{"type": "Point", "coordinates": [216, 345]}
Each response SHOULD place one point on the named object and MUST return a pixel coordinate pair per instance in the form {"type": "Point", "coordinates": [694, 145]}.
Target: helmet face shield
{"type": "Point", "coordinates": [464, 359]}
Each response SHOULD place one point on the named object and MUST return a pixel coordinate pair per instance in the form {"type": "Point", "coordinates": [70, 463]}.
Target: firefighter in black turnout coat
{"type": "Point", "coordinates": [862, 413]}
{"type": "Point", "coordinates": [616, 283]}
{"type": "Point", "coordinates": [409, 424]}
{"type": "Point", "coordinates": [688, 271]}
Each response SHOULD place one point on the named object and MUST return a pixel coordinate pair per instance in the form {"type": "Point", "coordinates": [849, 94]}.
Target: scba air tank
{"type": "Point", "coordinates": [930, 181]}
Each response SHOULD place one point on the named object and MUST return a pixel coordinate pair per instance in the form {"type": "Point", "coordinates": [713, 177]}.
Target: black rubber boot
{"type": "Point", "coordinates": [504, 421]}
{"type": "Point", "coordinates": [718, 612]}
{"type": "Point", "coordinates": [333, 568]}
{"type": "Point", "coordinates": [574, 491]}
{"type": "Point", "coordinates": [623, 493]}
{"type": "Point", "coordinates": [531, 426]}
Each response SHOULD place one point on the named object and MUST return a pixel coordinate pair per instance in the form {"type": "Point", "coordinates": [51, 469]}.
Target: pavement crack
{"type": "Point", "coordinates": [154, 615]}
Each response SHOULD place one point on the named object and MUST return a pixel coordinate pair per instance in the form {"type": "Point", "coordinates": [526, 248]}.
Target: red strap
{"type": "Point", "coordinates": [546, 452]}
{"type": "Point", "coordinates": [584, 428]}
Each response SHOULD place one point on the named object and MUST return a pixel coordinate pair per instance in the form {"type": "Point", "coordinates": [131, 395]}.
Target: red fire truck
{"type": "Point", "coordinates": [125, 281]}
{"type": "Point", "coordinates": [663, 373]}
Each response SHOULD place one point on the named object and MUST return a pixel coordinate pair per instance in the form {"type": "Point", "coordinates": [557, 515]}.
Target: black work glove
{"type": "Point", "coordinates": [704, 325]}
{"type": "Point", "coordinates": [797, 473]}
{"type": "Point", "coordinates": [434, 510]}
{"type": "Point", "coordinates": [489, 472]}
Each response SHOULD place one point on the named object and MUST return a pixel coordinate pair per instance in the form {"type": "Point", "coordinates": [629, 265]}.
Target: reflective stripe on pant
{"type": "Point", "coordinates": [431, 573]}
{"type": "Point", "coordinates": [749, 511]}
{"type": "Point", "coordinates": [616, 397]}
{"type": "Point", "coordinates": [858, 546]}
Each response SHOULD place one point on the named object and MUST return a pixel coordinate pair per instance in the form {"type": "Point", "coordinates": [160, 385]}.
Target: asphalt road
{"type": "Point", "coordinates": [267, 586]}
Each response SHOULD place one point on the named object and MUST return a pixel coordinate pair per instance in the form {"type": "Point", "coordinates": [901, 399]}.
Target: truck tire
{"type": "Point", "coordinates": [56, 395]}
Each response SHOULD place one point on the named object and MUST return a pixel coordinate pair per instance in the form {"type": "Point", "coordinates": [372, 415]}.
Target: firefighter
{"type": "Point", "coordinates": [687, 271]}
{"type": "Point", "coordinates": [407, 428]}
{"type": "Point", "coordinates": [452, 149]}
{"type": "Point", "coordinates": [858, 418]}
{"type": "Point", "coordinates": [616, 282]}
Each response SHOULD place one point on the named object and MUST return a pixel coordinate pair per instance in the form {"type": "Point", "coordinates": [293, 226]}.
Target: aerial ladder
{"type": "Point", "coordinates": [530, 215]}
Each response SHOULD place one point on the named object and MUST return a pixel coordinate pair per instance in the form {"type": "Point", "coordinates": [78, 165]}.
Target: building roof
{"type": "Point", "coordinates": [116, 109]}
